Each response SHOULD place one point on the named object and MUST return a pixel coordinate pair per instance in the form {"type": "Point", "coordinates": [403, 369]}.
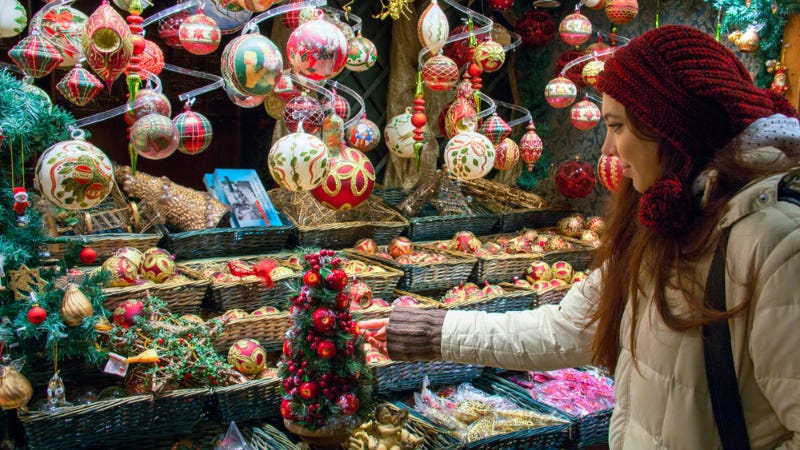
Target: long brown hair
{"type": "Point", "coordinates": [648, 255]}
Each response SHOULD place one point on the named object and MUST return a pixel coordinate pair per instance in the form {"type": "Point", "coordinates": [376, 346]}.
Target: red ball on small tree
{"type": "Point", "coordinates": [37, 315]}
{"type": "Point", "coordinates": [309, 390]}
{"type": "Point", "coordinates": [323, 319]}
{"type": "Point", "coordinates": [326, 349]}
{"type": "Point", "coordinates": [88, 255]}
{"type": "Point", "coordinates": [337, 280]}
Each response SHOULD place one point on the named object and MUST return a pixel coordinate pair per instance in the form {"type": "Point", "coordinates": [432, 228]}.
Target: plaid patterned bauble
{"type": "Point", "coordinates": [35, 56]}
{"type": "Point", "coordinates": [194, 132]}
{"type": "Point", "coordinates": [79, 86]}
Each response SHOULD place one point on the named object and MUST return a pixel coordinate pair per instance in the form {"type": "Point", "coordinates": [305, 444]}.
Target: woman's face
{"type": "Point", "coordinates": [637, 156]}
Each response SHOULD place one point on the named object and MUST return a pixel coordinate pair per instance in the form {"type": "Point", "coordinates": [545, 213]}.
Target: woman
{"type": "Point", "coordinates": [703, 151]}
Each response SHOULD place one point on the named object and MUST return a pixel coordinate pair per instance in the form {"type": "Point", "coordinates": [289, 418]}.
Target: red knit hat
{"type": "Point", "coordinates": [692, 91]}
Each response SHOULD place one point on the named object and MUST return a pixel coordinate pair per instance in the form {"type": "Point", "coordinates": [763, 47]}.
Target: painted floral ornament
{"type": "Point", "coordinates": [584, 115]}
{"type": "Point", "coordinates": [609, 171]}
{"type": "Point", "coordinates": [79, 86]}
{"type": "Point", "coordinates": [13, 18]}
{"type": "Point", "coordinates": [298, 161]}
{"type": "Point", "coordinates": [469, 155]}
{"type": "Point", "coordinates": [399, 135]}
{"type": "Point", "coordinates": [349, 183]}
{"type": "Point", "coordinates": [251, 63]}
{"type": "Point", "coordinates": [433, 28]}
{"type": "Point", "coordinates": [363, 135]}
{"type": "Point", "coordinates": [575, 29]}
{"type": "Point", "coordinates": [199, 34]}
{"type": "Point", "coordinates": [194, 131]}
{"type": "Point", "coordinates": [489, 55]}
{"type": "Point", "coordinates": [507, 154]}
{"type": "Point", "coordinates": [439, 73]}
{"type": "Point", "coordinates": [361, 54]}
{"type": "Point", "coordinates": [154, 136]}
{"type": "Point", "coordinates": [107, 43]}
{"type": "Point", "coordinates": [560, 92]}
{"type": "Point", "coordinates": [74, 174]}
{"type": "Point", "coordinates": [317, 49]}
{"type": "Point", "coordinates": [35, 56]}
{"type": "Point", "coordinates": [63, 26]}
{"type": "Point", "coordinates": [530, 147]}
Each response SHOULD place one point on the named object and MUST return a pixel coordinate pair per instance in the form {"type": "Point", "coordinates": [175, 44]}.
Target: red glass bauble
{"type": "Point", "coordinates": [306, 110]}
{"type": "Point", "coordinates": [349, 183]}
{"type": "Point", "coordinates": [323, 319]}
{"type": "Point", "coordinates": [37, 315]}
{"type": "Point", "coordinates": [336, 280]}
{"type": "Point", "coordinates": [168, 28]}
{"type": "Point", "coordinates": [126, 311]}
{"type": "Point", "coordinates": [88, 255]}
{"type": "Point", "coordinates": [575, 179]}
{"type": "Point", "coordinates": [459, 50]}
{"type": "Point", "coordinates": [575, 71]}
{"type": "Point", "coordinates": [536, 28]}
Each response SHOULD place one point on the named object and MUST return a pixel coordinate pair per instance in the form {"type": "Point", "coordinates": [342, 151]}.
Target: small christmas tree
{"type": "Point", "coordinates": [323, 366]}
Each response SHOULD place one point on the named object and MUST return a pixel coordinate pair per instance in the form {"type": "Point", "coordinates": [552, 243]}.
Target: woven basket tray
{"type": "Point", "coordinates": [256, 399]}
{"type": "Point", "coordinates": [513, 299]}
{"type": "Point", "coordinates": [270, 330]}
{"type": "Point", "coordinates": [263, 436]}
{"type": "Point", "coordinates": [109, 422]}
{"type": "Point", "coordinates": [429, 225]}
{"type": "Point", "coordinates": [383, 282]}
{"type": "Point", "coordinates": [579, 257]}
{"type": "Point", "coordinates": [396, 376]}
{"type": "Point", "coordinates": [427, 276]}
{"type": "Point", "coordinates": [320, 227]}
{"type": "Point", "coordinates": [433, 437]}
{"type": "Point", "coordinates": [493, 268]}
{"type": "Point", "coordinates": [181, 297]}
{"type": "Point", "coordinates": [378, 312]}
{"type": "Point", "coordinates": [228, 241]}
{"type": "Point", "coordinates": [549, 296]}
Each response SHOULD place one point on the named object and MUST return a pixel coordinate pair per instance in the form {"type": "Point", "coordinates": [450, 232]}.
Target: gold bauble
{"type": "Point", "coordinates": [102, 325]}
{"type": "Point", "coordinates": [15, 389]}
{"type": "Point", "coordinates": [274, 106]}
{"type": "Point", "coordinates": [75, 306]}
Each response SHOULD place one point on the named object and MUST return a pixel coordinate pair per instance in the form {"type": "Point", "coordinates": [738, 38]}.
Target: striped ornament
{"type": "Point", "coordinates": [79, 86]}
{"type": "Point", "coordinates": [194, 132]}
{"type": "Point", "coordinates": [35, 56]}
{"type": "Point", "coordinates": [609, 172]}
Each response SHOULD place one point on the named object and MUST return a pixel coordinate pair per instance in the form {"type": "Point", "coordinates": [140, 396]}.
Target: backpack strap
{"type": "Point", "coordinates": [789, 188]}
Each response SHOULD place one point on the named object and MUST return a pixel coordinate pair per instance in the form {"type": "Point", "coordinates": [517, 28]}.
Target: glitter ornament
{"type": "Point", "coordinates": [348, 403]}
{"type": "Point", "coordinates": [349, 183]}
{"type": "Point", "coordinates": [168, 28]}
{"type": "Point", "coordinates": [303, 111]}
{"type": "Point", "coordinates": [439, 73]}
{"type": "Point", "coordinates": [251, 64]}
{"type": "Point", "coordinates": [575, 179]}
{"type": "Point", "coordinates": [35, 56]}
{"type": "Point", "coordinates": [507, 154]}
{"type": "Point", "coordinates": [152, 58]}
{"type": "Point", "coordinates": [489, 55]}
{"type": "Point", "coordinates": [601, 49]}
{"type": "Point", "coordinates": [107, 43]}
{"type": "Point", "coordinates": [575, 29]}
{"type": "Point", "coordinates": [154, 136]}
{"type": "Point", "coordinates": [530, 147]}
{"type": "Point", "coordinates": [620, 12]}
{"type": "Point", "coordinates": [298, 161]}
{"type": "Point", "coordinates": [609, 171]}
{"type": "Point", "coordinates": [148, 101]}
{"type": "Point", "coordinates": [584, 115]}
{"type": "Point", "coordinates": [361, 54]}
{"type": "Point", "coordinates": [433, 28]}
{"type": "Point", "coordinates": [363, 135]}
{"type": "Point", "coordinates": [317, 50]}
{"type": "Point", "coordinates": [536, 28]}
{"type": "Point", "coordinates": [63, 26]}
{"type": "Point", "coordinates": [469, 155]}
{"type": "Point", "coordinates": [79, 86]}
{"type": "Point", "coordinates": [560, 92]}
{"type": "Point", "coordinates": [591, 70]}
{"type": "Point", "coordinates": [199, 34]}
{"type": "Point", "coordinates": [74, 175]}
{"type": "Point", "coordinates": [194, 131]}
{"type": "Point", "coordinates": [158, 265]}
{"type": "Point", "coordinates": [248, 357]}
{"type": "Point", "coordinates": [465, 242]}
{"type": "Point", "coordinates": [13, 18]}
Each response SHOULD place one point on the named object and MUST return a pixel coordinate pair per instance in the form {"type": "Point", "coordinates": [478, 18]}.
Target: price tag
{"type": "Point", "coordinates": [116, 365]}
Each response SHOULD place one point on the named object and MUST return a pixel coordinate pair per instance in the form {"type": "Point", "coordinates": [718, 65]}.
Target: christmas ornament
{"type": "Point", "coordinates": [366, 245]}
{"type": "Point", "coordinates": [602, 50]}
{"type": "Point", "coordinates": [158, 265]}
{"type": "Point", "coordinates": [291, 19]}
{"type": "Point", "coordinates": [570, 226]}
{"type": "Point", "coordinates": [326, 349]}
{"type": "Point", "coordinates": [585, 115]}
{"type": "Point", "coordinates": [507, 154]}
{"type": "Point", "coordinates": [248, 357]}
{"type": "Point", "coordinates": [79, 86]}
{"type": "Point", "coordinates": [469, 155]}
{"type": "Point", "coordinates": [747, 42]}
{"type": "Point", "coordinates": [15, 389]}
{"type": "Point", "coordinates": [154, 136]}
{"type": "Point", "coordinates": [336, 280]}
{"type": "Point", "coordinates": [88, 255]}
{"type": "Point", "coordinates": [317, 50]}
{"type": "Point", "coordinates": [304, 111]}
{"type": "Point", "coordinates": [64, 26]}
{"type": "Point", "coordinates": [399, 135]}
{"type": "Point", "coordinates": [148, 101]}
{"type": "Point", "coordinates": [24, 281]}
{"type": "Point", "coordinates": [620, 12]}
{"type": "Point", "coordinates": [168, 28]}
{"type": "Point", "coordinates": [126, 312]}
{"type": "Point", "coordinates": [575, 29]}
{"type": "Point", "coordinates": [230, 17]}
{"type": "Point", "coordinates": [123, 272]}
{"type": "Point", "coordinates": [132, 253]}
{"type": "Point", "coordinates": [433, 28]}
{"type": "Point", "coordinates": [265, 311]}
{"type": "Point", "coordinates": [530, 147]}
{"type": "Point", "coordinates": [560, 92]}
{"type": "Point", "coordinates": [360, 293]}
{"type": "Point", "coordinates": [495, 128]}
{"type": "Point", "coordinates": [251, 64]}
{"type": "Point", "coordinates": [575, 179]}
{"type": "Point", "coordinates": [333, 133]}
{"type": "Point", "coordinates": [400, 246]}
{"type": "Point", "coordinates": [298, 161]}
{"type": "Point", "coordinates": [609, 171]}
{"type": "Point", "coordinates": [591, 70]}
{"type": "Point", "coordinates": [13, 18]}
{"type": "Point", "coordinates": [536, 28]}
{"type": "Point", "coordinates": [194, 131]}
{"type": "Point", "coordinates": [594, 4]}
{"type": "Point", "coordinates": [439, 73]}
{"type": "Point", "coordinates": [323, 319]}
{"type": "Point", "coordinates": [35, 56]}
{"type": "Point", "coordinates": [459, 51]}
{"type": "Point", "coordinates": [21, 202]}
{"type": "Point", "coordinates": [779, 83]}
{"type": "Point", "coordinates": [255, 5]}
{"type": "Point", "coordinates": [341, 106]}
{"type": "Point", "coordinates": [75, 306]}
{"type": "Point", "coordinates": [107, 43]}
{"type": "Point", "coordinates": [74, 175]}
{"type": "Point", "coordinates": [361, 54]}
{"type": "Point", "coordinates": [465, 242]}
{"type": "Point", "coordinates": [538, 271]}
{"type": "Point", "coordinates": [460, 117]}
{"type": "Point", "coordinates": [152, 58]}
{"type": "Point", "coordinates": [199, 34]}
{"type": "Point", "coordinates": [573, 72]}
{"type": "Point", "coordinates": [348, 403]}
{"type": "Point", "coordinates": [363, 135]}
{"type": "Point", "coordinates": [56, 394]}
{"type": "Point", "coordinates": [234, 315]}
{"type": "Point", "coordinates": [562, 270]}
{"type": "Point", "coordinates": [489, 55]}
{"type": "Point", "coordinates": [349, 182]}
{"type": "Point", "coordinates": [246, 101]}
{"type": "Point", "coordinates": [37, 315]}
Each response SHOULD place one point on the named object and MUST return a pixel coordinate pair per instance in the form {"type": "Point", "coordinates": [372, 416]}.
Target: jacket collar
{"type": "Point", "coordinates": [757, 195]}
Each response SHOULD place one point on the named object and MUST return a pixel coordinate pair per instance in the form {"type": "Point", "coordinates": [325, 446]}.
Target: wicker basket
{"type": "Point", "coordinates": [494, 268]}
{"type": "Point", "coordinates": [433, 437]}
{"type": "Point", "coordinates": [396, 376]}
{"type": "Point", "coordinates": [427, 276]}
{"type": "Point", "coordinates": [383, 282]}
{"type": "Point", "coordinates": [578, 257]}
{"type": "Point", "coordinates": [181, 297]}
{"type": "Point", "coordinates": [429, 225]}
{"type": "Point", "coordinates": [270, 330]}
{"type": "Point", "coordinates": [517, 209]}
{"type": "Point", "coordinates": [378, 312]}
{"type": "Point", "coordinates": [109, 422]}
{"type": "Point", "coordinates": [204, 435]}
{"type": "Point", "coordinates": [113, 224]}
{"type": "Point", "coordinates": [228, 241]}
{"type": "Point", "coordinates": [256, 399]}
{"type": "Point", "coordinates": [552, 296]}
{"type": "Point", "coordinates": [263, 436]}
{"type": "Point", "coordinates": [320, 227]}
{"type": "Point", "coordinates": [513, 299]}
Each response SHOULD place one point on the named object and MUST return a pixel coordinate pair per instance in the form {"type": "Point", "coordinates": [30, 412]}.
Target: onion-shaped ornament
{"type": "Point", "coordinates": [584, 115]}
{"type": "Point", "coordinates": [317, 49]}
{"type": "Point", "coordinates": [469, 155]}
{"type": "Point", "coordinates": [306, 110]}
{"type": "Point", "coordinates": [298, 161]}
{"type": "Point", "coordinates": [575, 178]}
{"type": "Point", "coordinates": [495, 128]}
{"type": "Point", "coordinates": [251, 63]}
{"type": "Point", "coordinates": [506, 154]}
{"type": "Point", "coordinates": [15, 389]}
{"type": "Point", "coordinates": [460, 117]}
{"type": "Point", "coordinates": [154, 136]}
{"type": "Point", "coordinates": [575, 29]}
{"type": "Point", "coordinates": [75, 306]}
{"type": "Point", "coordinates": [530, 147]}
{"type": "Point", "coordinates": [35, 56]}
{"type": "Point", "coordinates": [107, 43]}
{"type": "Point", "coordinates": [361, 54]}
{"type": "Point", "coordinates": [199, 34]}
{"type": "Point", "coordinates": [489, 55]}
{"type": "Point", "coordinates": [194, 131]}
{"type": "Point", "coordinates": [349, 183]}
{"type": "Point", "coordinates": [433, 28]}
{"type": "Point", "coordinates": [609, 171]}
{"type": "Point", "coordinates": [79, 86]}
{"type": "Point", "coordinates": [363, 135]}
{"type": "Point", "coordinates": [440, 73]}
{"type": "Point", "coordinates": [560, 92]}
{"type": "Point", "coordinates": [63, 26]}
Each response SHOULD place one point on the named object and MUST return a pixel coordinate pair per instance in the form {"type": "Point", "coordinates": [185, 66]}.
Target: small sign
{"type": "Point", "coordinates": [116, 365]}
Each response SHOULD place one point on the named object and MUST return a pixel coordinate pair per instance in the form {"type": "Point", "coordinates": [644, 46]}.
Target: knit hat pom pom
{"type": "Point", "coordinates": [665, 206]}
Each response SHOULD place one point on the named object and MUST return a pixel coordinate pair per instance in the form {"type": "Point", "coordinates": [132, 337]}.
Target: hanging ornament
{"type": "Point", "coordinates": [56, 394]}
{"type": "Point", "coordinates": [584, 115]}
{"type": "Point", "coordinates": [530, 147]}
{"type": "Point", "coordinates": [489, 55]}
{"type": "Point", "coordinates": [251, 63]}
{"type": "Point", "coordinates": [168, 28]}
{"type": "Point", "coordinates": [317, 49]}
{"type": "Point", "coordinates": [600, 49]}
{"type": "Point", "coordinates": [575, 178]}
{"type": "Point", "coordinates": [433, 28]}
{"type": "Point", "coordinates": [21, 203]}
{"type": "Point", "coordinates": [591, 70]}
{"type": "Point", "coordinates": [35, 56]}
{"type": "Point", "coordinates": [291, 19]}
{"type": "Point", "coordinates": [573, 72]}
{"type": "Point", "coordinates": [274, 106]}
{"type": "Point", "coordinates": [88, 255]}
{"type": "Point", "coordinates": [107, 43]}
{"type": "Point", "coordinates": [13, 18]}
{"type": "Point", "coordinates": [620, 12]}
{"type": "Point", "coordinates": [126, 5]}
{"type": "Point", "coordinates": [37, 315]}
{"type": "Point", "coordinates": [15, 389]}
{"type": "Point", "coordinates": [346, 29]}
{"type": "Point", "coordinates": [419, 120]}
{"type": "Point", "coordinates": [363, 135]}
{"type": "Point", "coordinates": [194, 130]}
{"type": "Point", "coordinates": [306, 110]}
{"type": "Point", "coordinates": [64, 26]}
{"type": "Point", "coordinates": [779, 83]}
{"type": "Point", "coordinates": [230, 17]}
{"type": "Point", "coordinates": [152, 58]}
{"type": "Point", "coordinates": [399, 135]}
{"type": "Point", "coordinates": [501, 5]}
{"type": "Point", "coordinates": [333, 133]}
{"type": "Point", "coordinates": [199, 34]}
{"type": "Point", "coordinates": [361, 54]}
{"type": "Point", "coordinates": [148, 101]}
{"type": "Point", "coordinates": [298, 161]}
{"type": "Point", "coordinates": [133, 78]}
{"type": "Point", "coordinates": [609, 171]}
{"type": "Point", "coordinates": [469, 155]}
{"type": "Point", "coordinates": [594, 4]}
{"type": "Point", "coordinates": [341, 107]}
{"type": "Point", "coordinates": [75, 306]}
{"type": "Point", "coordinates": [244, 100]}
{"type": "Point", "coordinates": [747, 42]}
{"type": "Point", "coordinates": [560, 92]}
{"type": "Point", "coordinates": [285, 87]}
{"type": "Point", "coordinates": [154, 136]}
{"type": "Point", "coordinates": [79, 86]}
{"type": "Point", "coordinates": [495, 128]}
{"type": "Point", "coordinates": [349, 183]}
{"type": "Point", "coordinates": [575, 29]}
{"type": "Point", "coordinates": [461, 116]}
{"type": "Point", "coordinates": [439, 73]}
{"type": "Point", "coordinates": [536, 28]}
{"type": "Point", "coordinates": [507, 154]}
{"type": "Point", "coordinates": [74, 174]}
{"type": "Point", "coordinates": [459, 50]}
